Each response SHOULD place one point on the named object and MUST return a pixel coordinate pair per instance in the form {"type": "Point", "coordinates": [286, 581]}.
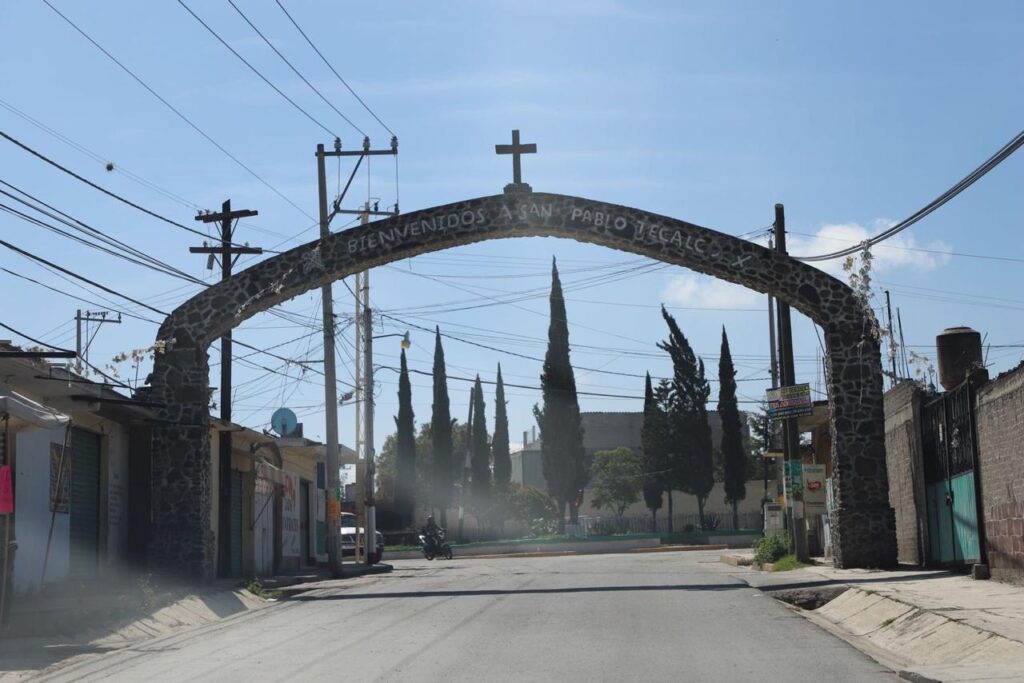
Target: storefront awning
{"type": "Point", "coordinates": [24, 414]}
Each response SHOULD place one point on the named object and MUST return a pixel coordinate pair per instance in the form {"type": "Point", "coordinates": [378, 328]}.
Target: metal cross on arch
{"type": "Point", "coordinates": [516, 150]}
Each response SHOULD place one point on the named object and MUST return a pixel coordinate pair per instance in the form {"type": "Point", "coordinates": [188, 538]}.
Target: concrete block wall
{"type": "Point", "coordinates": [906, 475]}
{"type": "Point", "coordinates": [1000, 425]}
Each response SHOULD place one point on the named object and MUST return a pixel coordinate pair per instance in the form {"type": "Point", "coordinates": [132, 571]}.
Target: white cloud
{"type": "Point", "coordinates": [707, 292]}
{"type": "Point", "coordinates": [900, 252]}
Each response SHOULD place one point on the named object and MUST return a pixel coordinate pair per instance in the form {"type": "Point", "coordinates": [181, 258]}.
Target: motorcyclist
{"type": "Point", "coordinates": [431, 531]}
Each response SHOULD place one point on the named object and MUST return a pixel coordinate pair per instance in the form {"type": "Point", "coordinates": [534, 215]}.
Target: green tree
{"type": "Point", "coordinates": [480, 461]}
{"type": "Point", "coordinates": [652, 443]}
{"type": "Point", "coordinates": [386, 462]}
{"type": "Point", "coordinates": [405, 449]}
{"type": "Point", "coordinates": [441, 435]}
{"type": "Point", "coordinates": [499, 444]}
{"type": "Point", "coordinates": [618, 478]}
{"type": "Point", "coordinates": [561, 430]}
{"type": "Point", "coordinates": [734, 459]}
{"type": "Point", "coordinates": [693, 468]}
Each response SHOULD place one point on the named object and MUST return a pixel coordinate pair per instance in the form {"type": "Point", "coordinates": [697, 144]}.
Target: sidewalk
{"type": "Point", "coordinates": [928, 625]}
{"type": "Point", "coordinates": [107, 622]}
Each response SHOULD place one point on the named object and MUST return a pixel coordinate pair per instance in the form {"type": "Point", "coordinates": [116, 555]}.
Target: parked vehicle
{"type": "Point", "coordinates": [348, 537]}
{"type": "Point", "coordinates": [436, 547]}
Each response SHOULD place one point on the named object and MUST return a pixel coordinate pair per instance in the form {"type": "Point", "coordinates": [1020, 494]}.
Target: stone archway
{"type": "Point", "coordinates": [863, 526]}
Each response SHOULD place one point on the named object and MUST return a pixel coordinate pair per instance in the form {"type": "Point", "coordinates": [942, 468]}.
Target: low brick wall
{"type": "Point", "coordinates": [1000, 424]}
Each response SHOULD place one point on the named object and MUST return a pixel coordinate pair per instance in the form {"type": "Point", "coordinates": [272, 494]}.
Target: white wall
{"type": "Point", "coordinates": [32, 501]}
{"type": "Point", "coordinates": [32, 512]}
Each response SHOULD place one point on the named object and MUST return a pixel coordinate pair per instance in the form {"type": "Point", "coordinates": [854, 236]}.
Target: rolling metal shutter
{"type": "Point", "coordinates": [85, 502]}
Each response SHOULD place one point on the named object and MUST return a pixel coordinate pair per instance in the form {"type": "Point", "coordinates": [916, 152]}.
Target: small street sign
{"type": "Point", "coordinates": [791, 401]}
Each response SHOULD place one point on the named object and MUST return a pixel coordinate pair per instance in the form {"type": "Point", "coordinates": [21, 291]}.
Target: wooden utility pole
{"type": "Point", "coordinates": [228, 253]}
{"type": "Point", "coordinates": [790, 429]}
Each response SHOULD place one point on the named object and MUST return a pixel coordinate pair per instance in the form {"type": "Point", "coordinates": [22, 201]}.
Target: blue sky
{"type": "Point", "coordinates": [853, 116]}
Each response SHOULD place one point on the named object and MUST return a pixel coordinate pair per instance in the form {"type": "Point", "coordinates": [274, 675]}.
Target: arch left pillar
{"type": "Point", "coordinates": [182, 540]}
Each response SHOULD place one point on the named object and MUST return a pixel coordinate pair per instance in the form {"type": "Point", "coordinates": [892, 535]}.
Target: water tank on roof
{"type": "Point", "coordinates": [959, 353]}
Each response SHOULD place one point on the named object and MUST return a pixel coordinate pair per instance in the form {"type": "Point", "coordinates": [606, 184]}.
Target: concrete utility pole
{"type": "Point", "coordinates": [228, 252]}
{"type": "Point", "coordinates": [334, 496]}
{"type": "Point", "coordinates": [99, 317]}
{"type": "Point", "coordinates": [369, 488]}
{"type": "Point", "coordinates": [330, 387]}
{"type": "Point", "coordinates": [790, 433]}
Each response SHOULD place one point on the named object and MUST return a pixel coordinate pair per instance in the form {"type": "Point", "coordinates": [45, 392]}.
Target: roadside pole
{"type": "Point", "coordinates": [370, 467]}
{"type": "Point", "coordinates": [790, 430]}
{"type": "Point", "coordinates": [227, 252]}
{"type": "Point", "coordinates": [334, 555]}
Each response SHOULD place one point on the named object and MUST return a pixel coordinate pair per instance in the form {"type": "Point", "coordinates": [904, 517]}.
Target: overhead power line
{"type": "Point", "coordinates": [333, 70]}
{"type": "Point", "coordinates": [100, 188]}
{"type": "Point", "coordinates": [292, 67]}
{"type": "Point", "coordinates": [72, 296]}
{"type": "Point", "coordinates": [40, 259]}
{"type": "Point", "coordinates": [178, 113]}
{"type": "Point", "coordinates": [971, 178]}
{"type": "Point", "coordinates": [110, 166]}
{"type": "Point", "coordinates": [258, 72]}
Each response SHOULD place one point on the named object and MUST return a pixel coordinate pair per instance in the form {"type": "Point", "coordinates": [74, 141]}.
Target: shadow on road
{"type": "Point", "coordinates": [523, 591]}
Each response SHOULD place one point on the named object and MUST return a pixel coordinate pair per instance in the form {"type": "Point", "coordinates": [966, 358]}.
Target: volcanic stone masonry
{"type": "Point", "coordinates": [863, 525]}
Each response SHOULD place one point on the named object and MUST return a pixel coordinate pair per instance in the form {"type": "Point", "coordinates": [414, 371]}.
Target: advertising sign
{"type": "Point", "coordinates": [794, 478]}
{"type": "Point", "coordinates": [814, 489]}
{"type": "Point", "coordinates": [290, 532]}
{"type": "Point", "coordinates": [791, 401]}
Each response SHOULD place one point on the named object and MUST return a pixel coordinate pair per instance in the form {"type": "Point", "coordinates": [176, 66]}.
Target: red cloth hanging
{"type": "Point", "coordinates": [6, 491]}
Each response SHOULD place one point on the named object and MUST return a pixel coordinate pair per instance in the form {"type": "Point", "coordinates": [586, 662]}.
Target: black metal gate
{"type": "Point", "coordinates": [948, 451]}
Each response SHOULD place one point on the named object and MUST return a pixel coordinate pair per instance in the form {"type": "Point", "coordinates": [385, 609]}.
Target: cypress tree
{"type": "Point", "coordinates": [734, 460]}
{"type": "Point", "coordinates": [405, 449]}
{"type": "Point", "coordinates": [499, 445]}
{"type": "Point", "coordinates": [441, 434]}
{"type": "Point", "coordinates": [652, 447]}
{"type": "Point", "coordinates": [694, 466]}
{"type": "Point", "coordinates": [561, 429]}
{"type": "Point", "coordinates": [480, 459]}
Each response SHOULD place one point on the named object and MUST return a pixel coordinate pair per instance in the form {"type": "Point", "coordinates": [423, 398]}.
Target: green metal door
{"type": "Point", "coordinates": [965, 518]}
{"type": "Point", "coordinates": [948, 451]}
{"type": "Point", "coordinates": [85, 503]}
{"type": "Point", "coordinates": [940, 525]}
{"type": "Point", "coordinates": [236, 523]}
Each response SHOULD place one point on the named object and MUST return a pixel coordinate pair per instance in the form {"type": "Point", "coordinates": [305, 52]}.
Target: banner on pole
{"type": "Point", "coordinates": [791, 401]}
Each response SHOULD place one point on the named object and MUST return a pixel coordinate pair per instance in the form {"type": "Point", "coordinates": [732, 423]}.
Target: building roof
{"type": "Point", "coordinates": [58, 387]}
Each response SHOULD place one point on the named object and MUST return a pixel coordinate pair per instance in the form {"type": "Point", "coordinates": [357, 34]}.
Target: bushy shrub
{"type": "Point", "coordinates": [770, 548]}
{"type": "Point", "coordinates": [711, 521]}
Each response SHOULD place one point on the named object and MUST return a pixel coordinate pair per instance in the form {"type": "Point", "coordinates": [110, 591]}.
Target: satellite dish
{"type": "Point", "coordinates": [283, 421]}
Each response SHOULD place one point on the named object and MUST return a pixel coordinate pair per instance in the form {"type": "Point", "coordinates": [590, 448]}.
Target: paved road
{"type": "Point", "coordinates": [639, 617]}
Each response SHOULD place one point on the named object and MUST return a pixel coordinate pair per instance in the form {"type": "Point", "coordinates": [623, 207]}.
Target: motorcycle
{"type": "Point", "coordinates": [438, 547]}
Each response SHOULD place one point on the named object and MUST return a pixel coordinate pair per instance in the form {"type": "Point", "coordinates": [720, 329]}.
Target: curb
{"type": "Point", "coordinates": [678, 548]}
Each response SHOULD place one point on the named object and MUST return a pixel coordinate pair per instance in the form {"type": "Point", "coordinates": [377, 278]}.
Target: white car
{"type": "Point", "coordinates": [348, 536]}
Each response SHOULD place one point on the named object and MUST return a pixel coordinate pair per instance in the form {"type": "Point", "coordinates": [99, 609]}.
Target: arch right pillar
{"type": "Point", "coordinates": [862, 522]}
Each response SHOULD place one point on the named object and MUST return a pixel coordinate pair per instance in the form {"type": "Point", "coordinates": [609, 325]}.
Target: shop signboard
{"type": "Point", "coordinates": [814, 489]}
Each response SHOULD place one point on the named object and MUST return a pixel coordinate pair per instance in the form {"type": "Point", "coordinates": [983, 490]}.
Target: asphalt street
{"type": "Point", "coordinates": [630, 617]}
